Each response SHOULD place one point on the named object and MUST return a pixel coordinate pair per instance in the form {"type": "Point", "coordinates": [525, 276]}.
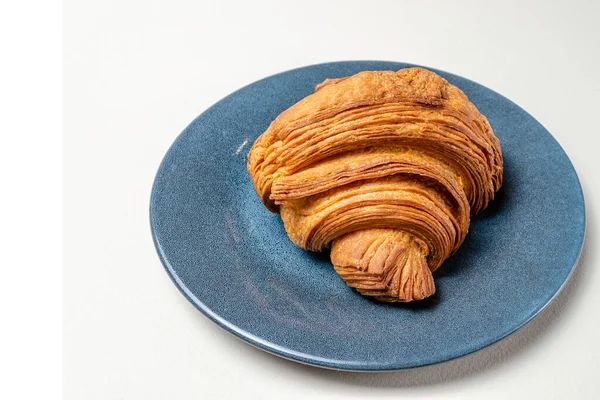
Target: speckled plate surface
{"type": "Point", "coordinates": [232, 259]}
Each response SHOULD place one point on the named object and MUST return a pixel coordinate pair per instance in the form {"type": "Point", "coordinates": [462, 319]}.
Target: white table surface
{"type": "Point", "coordinates": [137, 72]}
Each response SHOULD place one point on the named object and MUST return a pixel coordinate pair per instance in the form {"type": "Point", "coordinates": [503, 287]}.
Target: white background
{"type": "Point", "coordinates": [137, 72]}
{"type": "Point", "coordinates": [31, 152]}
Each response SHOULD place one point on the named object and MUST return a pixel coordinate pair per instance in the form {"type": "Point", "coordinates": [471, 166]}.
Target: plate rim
{"type": "Point", "coordinates": [339, 365]}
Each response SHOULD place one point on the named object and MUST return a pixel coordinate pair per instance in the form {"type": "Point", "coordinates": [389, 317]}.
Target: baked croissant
{"type": "Point", "coordinates": [383, 167]}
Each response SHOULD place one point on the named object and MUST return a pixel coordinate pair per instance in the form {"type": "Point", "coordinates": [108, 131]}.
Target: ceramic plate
{"type": "Point", "coordinates": [233, 260]}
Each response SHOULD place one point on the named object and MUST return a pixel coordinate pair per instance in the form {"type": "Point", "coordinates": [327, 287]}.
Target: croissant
{"type": "Point", "coordinates": [385, 169]}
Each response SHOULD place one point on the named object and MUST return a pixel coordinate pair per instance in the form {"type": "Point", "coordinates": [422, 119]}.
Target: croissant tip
{"type": "Point", "coordinates": [392, 269]}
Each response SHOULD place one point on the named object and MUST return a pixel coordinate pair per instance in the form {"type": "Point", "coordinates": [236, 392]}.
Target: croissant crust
{"type": "Point", "coordinates": [385, 169]}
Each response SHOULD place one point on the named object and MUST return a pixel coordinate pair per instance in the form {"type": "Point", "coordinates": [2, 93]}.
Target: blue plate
{"type": "Point", "coordinates": [233, 260]}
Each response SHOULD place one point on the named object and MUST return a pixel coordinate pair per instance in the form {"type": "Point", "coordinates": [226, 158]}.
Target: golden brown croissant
{"type": "Point", "coordinates": [386, 168]}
